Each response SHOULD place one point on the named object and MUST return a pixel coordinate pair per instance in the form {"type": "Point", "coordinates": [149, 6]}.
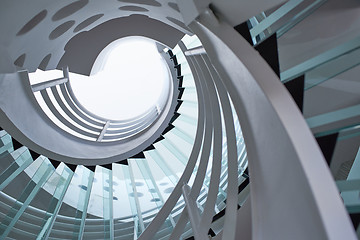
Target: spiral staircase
{"type": "Point", "coordinates": [181, 170]}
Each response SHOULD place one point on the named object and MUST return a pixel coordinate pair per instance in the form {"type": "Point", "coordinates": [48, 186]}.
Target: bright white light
{"type": "Point", "coordinates": [130, 82]}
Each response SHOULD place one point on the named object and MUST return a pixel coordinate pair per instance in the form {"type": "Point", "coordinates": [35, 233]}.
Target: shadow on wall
{"type": "Point", "coordinates": [80, 57]}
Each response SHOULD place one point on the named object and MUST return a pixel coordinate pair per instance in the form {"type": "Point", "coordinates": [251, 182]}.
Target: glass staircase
{"type": "Point", "coordinates": [107, 202]}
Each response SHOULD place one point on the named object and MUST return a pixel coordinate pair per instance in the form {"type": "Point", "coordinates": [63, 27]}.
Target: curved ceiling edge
{"type": "Point", "coordinates": [80, 57]}
{"type": "Point", "coordinates": [23, 118]}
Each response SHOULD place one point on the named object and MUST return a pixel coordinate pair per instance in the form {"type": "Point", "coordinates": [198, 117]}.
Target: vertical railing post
{"type": "Point", "coordinates": [56, 201]}
{"type": "Point", "coordinates": [108, 204]}
{"type": "Point", "coordinates": [137, 203]}
{"type": "Point", "coordinates": [193, 212]}
{"type": "Point", "coordinates": [86, 204]}
{"type": "Point", "coordinates": [135, 208]}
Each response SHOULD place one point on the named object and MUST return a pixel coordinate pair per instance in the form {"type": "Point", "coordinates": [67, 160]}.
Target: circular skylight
{"type": "Point", "coordinates": [128, 78]}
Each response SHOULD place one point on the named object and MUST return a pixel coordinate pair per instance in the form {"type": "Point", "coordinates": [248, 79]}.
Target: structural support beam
{"type": "Point", "coordinates": [335, 116]}
{"type": "Point", "coordinates": [274, 17]}
{"type": "Point", "coordinates": [321, 59]}
{"type": "Point", "coordinates": [329, 70]}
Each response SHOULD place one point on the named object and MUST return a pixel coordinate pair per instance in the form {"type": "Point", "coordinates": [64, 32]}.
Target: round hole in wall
{"type": "Point", "coordinates": [174, 6]}
{"type": "Point", "coordinates": [32, 23]}
{"type": "Point", "coordinates": [61, 29]}
{"type": "Point", "coordinates": [20, 60]}
{"type": "Point", "coordinates": [143, 2]}
{"type": "Point", "coordinates": [87, 22]}
{"type": "Point", "coordinates": [133, 9]}
{"type": "Point", "coordinates": [45, 62]}
{"type": "Point", "coordinates": [69, 10]}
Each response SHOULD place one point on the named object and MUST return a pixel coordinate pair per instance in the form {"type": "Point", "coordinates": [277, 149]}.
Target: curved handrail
{"type": "Point", "coordinates": [262, 101]}
{"type": "Point", "coordinates": [61, 118]}
{"type": "Point", "coordinates": [270, 121]}
{"type": "Point", "coordinates": [78, 119]}
{"type": "Point", "coordinates": [20, 112]}
{"type": "Point", "coordinates": [153, 227]}
{"type": "Point", "coordinates": [202, 195]}
{"type": "Point", "coordinates": [211, 107]}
